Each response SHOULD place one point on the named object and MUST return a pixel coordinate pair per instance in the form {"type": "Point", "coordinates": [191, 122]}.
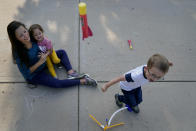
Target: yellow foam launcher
{"type": "Point", "coordinates": [104, 127]}
{"type": "Point", "coordinates": [82, 8]}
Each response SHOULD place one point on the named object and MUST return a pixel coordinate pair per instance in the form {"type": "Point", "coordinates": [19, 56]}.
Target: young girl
{"type": "Point", "coordinates": [37, 35]}
{"type": "Point", "coordinates": [131, 82]}
{"type": "Point", "coordinates": [31, 62]}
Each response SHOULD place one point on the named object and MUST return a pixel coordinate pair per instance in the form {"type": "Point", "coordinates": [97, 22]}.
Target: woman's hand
{"type": "Point", "coordinates": [43, 57]}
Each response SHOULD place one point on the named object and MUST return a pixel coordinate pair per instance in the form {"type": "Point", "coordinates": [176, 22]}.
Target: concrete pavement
{"type": "Point", "coordinates": [167, 27]}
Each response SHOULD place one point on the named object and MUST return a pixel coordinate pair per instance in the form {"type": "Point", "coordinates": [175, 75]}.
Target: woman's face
{"type": "Point", "coordinates": [38, 35]}
{"type": "Point", "coordinates": [22, 34]}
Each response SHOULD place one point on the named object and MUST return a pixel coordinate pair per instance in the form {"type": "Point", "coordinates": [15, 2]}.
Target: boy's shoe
{"type": "Point", "coordinates": [135, 109]}
{"type": "Point", "coordinates": [59, 66]}
{"type": "Point", "coordinates": [89, 81]}
{"type": "Point", "coordinates": [76, 75]}
{"type": "Point", "coordinates": [128, 108]}
{"type": "Point", "coordinates": [118, 103]}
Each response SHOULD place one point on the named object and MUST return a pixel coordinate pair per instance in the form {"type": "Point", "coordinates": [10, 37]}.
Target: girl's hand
{"type": "Point", "coordinates": [50, 51]}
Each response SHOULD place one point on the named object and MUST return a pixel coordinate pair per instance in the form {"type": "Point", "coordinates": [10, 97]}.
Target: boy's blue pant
{"type": "Point", "coordinates": [131, 98]}
{"type": "Point", "coordinates": [43, 78]}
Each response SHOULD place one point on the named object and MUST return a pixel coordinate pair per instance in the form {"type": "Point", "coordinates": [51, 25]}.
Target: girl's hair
{"type": "Point", "coordinates": [160, 62]}
{"type": "Point", "coordinates": [31, 31]}
{"type": "Point", "coordinates": [18, 48]}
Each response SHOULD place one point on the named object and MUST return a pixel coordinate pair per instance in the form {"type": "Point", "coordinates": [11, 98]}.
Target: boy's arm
{"type": "Point", "coordinates": [112, 82]}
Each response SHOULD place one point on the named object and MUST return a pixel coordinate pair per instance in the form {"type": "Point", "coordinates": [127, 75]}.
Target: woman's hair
{"type": "Point", "coordinates": [31, 31]}
{"type": "Point", "coordinates": [18, 48]}
{"type": "Point", "coordinates": [160, 62]}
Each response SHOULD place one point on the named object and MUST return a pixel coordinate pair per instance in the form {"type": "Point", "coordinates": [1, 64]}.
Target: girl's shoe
{"type": "Point", "coordinates": [76, 75]}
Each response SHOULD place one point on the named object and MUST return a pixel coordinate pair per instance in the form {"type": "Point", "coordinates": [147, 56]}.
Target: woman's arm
{"type": "Point", "coordinates": [26, 71]}
{"type": "Point", "coordinates": [42, 59]}
{"type": "Point", "coordinates": [112, 82]}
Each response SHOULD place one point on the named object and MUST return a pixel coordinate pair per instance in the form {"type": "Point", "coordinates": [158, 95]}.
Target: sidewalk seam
{"type": "Point", "coordinates": [78, 68]}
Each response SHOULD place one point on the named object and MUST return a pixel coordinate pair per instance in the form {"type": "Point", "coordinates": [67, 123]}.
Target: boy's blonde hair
{"type": "Point", "coordinates": [160, 62]}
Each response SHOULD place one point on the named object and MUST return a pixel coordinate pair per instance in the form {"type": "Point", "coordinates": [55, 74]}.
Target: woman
{"type": "Point", "coordinates": [32, 63]}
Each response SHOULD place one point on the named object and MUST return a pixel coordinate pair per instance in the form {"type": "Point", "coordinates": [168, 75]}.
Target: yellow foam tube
{"type": "Point", "coordinates": [82, 8]}
{"type": "Point", "coordinates": [50, 67]}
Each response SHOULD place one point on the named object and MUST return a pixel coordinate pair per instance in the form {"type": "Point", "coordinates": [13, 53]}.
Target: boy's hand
{"type": "Point", "coordinates": [104, 88]}
{"type": "Point", "coordinates": [112, 82]}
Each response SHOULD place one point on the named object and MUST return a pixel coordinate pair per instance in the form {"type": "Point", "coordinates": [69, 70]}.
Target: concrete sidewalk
{"type": "Point", "coordinates": [164, 26]}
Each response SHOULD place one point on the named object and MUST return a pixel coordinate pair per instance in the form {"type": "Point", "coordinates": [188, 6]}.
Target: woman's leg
{"type": "Point", "coordinates": [47, 80]}
{"type": "Point", "coordinates": [50, 67]}
{"type": "Point", "coordinates": [54, 57]}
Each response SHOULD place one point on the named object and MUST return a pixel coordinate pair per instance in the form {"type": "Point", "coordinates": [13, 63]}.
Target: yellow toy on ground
{"type": "Point", "coordinates": [130, 44]}
{"type": "Point", "coordinates": [108, 125]}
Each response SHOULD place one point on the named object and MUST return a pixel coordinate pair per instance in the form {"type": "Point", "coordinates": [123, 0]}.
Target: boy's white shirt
{"type": "Point", "coordinates": [137, 76]}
